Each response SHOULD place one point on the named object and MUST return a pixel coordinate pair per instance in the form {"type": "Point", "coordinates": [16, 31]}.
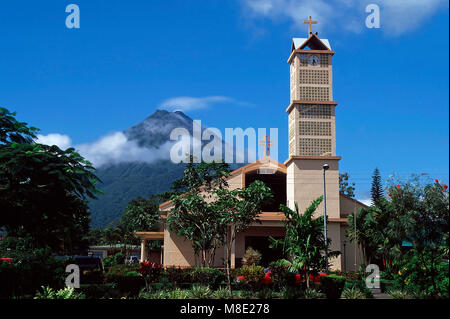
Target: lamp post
{"type": "Point", "coordinates": [324, 168]}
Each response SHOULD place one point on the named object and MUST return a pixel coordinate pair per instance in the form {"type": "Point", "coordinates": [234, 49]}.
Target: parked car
{"type": "Point", "coordinates": [91, 268]}
{"type": "Point", "coordinates": [90, 263]}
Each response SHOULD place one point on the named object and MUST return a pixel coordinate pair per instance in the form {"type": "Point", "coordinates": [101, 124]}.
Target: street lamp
{"type": "Point", "coordinates": [324, 168]}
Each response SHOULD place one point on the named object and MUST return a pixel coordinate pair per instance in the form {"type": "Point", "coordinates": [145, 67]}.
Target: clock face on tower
{"type": "Point", "coordinates": [313, 60]}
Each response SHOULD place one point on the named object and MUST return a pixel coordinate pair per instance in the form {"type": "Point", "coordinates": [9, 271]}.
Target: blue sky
{"type": "Point", "coordinates": [229, 57]}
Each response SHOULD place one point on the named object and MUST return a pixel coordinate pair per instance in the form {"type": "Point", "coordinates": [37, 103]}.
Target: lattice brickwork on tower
{"type": "Point", "coordinates": [311, 126]}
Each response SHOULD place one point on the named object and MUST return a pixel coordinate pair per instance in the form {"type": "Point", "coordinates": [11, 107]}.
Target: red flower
{"type": "Point", "coordinates": [436, 180]}
{"type": "Point", "coordinates": [445, 187]}
{"type": "Point", "coordinates": [389, 194]}
{"type": "Point", "coordinates": [398, 186]}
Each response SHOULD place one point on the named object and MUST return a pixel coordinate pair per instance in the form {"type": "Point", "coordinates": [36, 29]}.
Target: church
{"type": "Point", "coordinates": [311, 169]}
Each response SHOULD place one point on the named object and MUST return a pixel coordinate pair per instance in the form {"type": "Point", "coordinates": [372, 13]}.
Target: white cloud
{"type": "Point", "coordinates": [110, 149]}
{"type": "Point", "coordinates": [116, 148]}
{"type": "Point", "coordinates": [188, 103]}
{"type": "Point", "coordinates": [397, 16]}
{"type": "Point", "coordinates": [60, 140]}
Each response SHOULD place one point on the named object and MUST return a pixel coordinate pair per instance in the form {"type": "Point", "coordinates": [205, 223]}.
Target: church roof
{"type": "Point", "coordinates": [300, 43]}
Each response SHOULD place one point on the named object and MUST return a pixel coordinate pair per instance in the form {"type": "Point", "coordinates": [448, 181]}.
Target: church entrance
{"type": "Point", "coordinates": [276, 182]}
{"type": "Point", "coordinates": [262, 244]}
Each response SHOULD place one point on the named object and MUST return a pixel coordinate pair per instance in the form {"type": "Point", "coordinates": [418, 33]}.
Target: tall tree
{"type": "Point", "coordinates": [140, 215]}
{"type": "Point", "coordinates": [43, 189]}
{"type": "Point", "coordinates": [376, 189]}
{"type": "Point", "coordinates": [193, 215]}
{"type": "Point", "coordinates": [345, 187]}
{"type": "Point", "coordinates": [237, 210]}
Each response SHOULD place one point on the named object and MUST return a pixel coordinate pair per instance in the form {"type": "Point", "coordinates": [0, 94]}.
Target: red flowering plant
{"type": "Point", "coordinates": [151, 272]}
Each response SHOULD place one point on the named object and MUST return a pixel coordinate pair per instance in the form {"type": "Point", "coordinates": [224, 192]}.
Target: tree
{"type": "Point", "coordinates": [344, 186]}
{"type": "Point", "coordinates": [304, 242]}
{"type": "Point", "coordinates": [210, 215]}
{"type": "Point", "coordinates": [140, 215]}
{"type": "Point", "coordinates": [376, 189]}
{"type": "Point", "coordinates": [421, 215]}
{"type": "Point", "coordinates": [193, 215]}
{"type": "Point", "coordinates": [237, 209]}
{"type": "Point", "coordinates": [43, 189]}
{"type": "Point", "coordinates": [416, 212]}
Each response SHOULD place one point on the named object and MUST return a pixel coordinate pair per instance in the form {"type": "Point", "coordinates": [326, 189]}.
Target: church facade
{"type": "Point", "coordinates": [311, 169]}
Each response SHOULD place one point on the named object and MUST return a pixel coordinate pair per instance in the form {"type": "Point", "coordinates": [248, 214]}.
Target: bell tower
{"type": "Point", "coordinates": [312, 133]}
{"type": "Point", "coordinates": [311, 109]}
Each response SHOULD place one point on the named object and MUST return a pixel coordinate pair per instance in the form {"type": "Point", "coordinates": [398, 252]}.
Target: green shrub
{"type": "Point", "coordinates": [100, 291]}
{"type": "Point", "coordinates": [113, 260]}
{"type": "Point", "coordinates": [353, 293]}
{"type": "Point", "coordinates": [177, 275]}
{"type": "Point", "coordinates": [8, 280]}
{"type": "Point", "coordinates": [177, 294]}
{"type": "Point", "coordinates": [162, 284]}
{"type": "Point", "coordinates": [386, 285]}
{"type": "Point", "coordinates": [359, 285]}
{"type": "Point", "coordinates": [126, 279]}
{"type": "Point", "coordinates": [26, 276]}
{"type": "Point", "coordinates": [332, 286]}
{"type": "Point", "coordinates": [50, 293]}
{"type": "Point", "coordinates": [152, 272]}
{"type": "Point", "coordinates": [312, 293]}
{"type": "Point", "coordinates": [207, 276]}
{"type": "Point", "coordinates": [398, 294]}
{"type": "Point", "coordinates": [265, 293]}
{"type": "Point", "coordinates": [281, 276]}
{"type": "Point", "coordinates": [221, 293]}
{"type": "Point", "coordinates": [417, 271]}
{"type": "Point", "coordinates": [251, 257]}
{"type": "Point", "coordinates": [290, 292]}
{"type": "Point", "coordinates": [253, 274]}
{"type": "Point", "coordinates": [200, 292]}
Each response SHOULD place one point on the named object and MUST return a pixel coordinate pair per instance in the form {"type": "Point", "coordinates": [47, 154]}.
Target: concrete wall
{"type": "Point", "coordinates": [305, 184]}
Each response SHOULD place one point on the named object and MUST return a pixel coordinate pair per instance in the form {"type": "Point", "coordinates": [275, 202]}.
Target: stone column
{"type": "Point", "coordinates": [143, 249]}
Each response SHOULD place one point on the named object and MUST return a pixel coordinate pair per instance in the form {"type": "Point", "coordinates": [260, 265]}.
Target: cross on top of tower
{"type": "Point", "coordinates": [267, 143]}
{"type": "Point", "coordinates": [310, 22]}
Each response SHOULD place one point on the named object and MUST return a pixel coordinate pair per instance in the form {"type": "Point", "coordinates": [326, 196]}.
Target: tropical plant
{"type": "Point", "coordinates": [177, 294]}
{"type": "Point", "coordinates": [200, 292]}
{"type": "Point", "coordinates": [304, 242]}
{"type": "Point", "coordinates": [251, 257]}
{"type": "Point", "coordinates": [151, 272]}
{"type": "Point", "coordinates": [207, 276]}
{"type": "Point", "coordinates": [398, 294]}
{"type": "Point", "coordinates": [43, 189]}
{"type": "Point", "coordinates": [221, 293]}
{"type": "Point", "coordinates": [353, 293]}
{"type": "Point", "coordinates": [281, 274]}
{"type": "Point", "coordinates": [332, 286]}
{"type": "Point", "coordinates": [253, 274]}
{"type": "Point", "coordinates": [50, 293]}
{"type": "Point", "coordinates": [312, 293]}
{"type": "Point", "coordinates": [291, 292]}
